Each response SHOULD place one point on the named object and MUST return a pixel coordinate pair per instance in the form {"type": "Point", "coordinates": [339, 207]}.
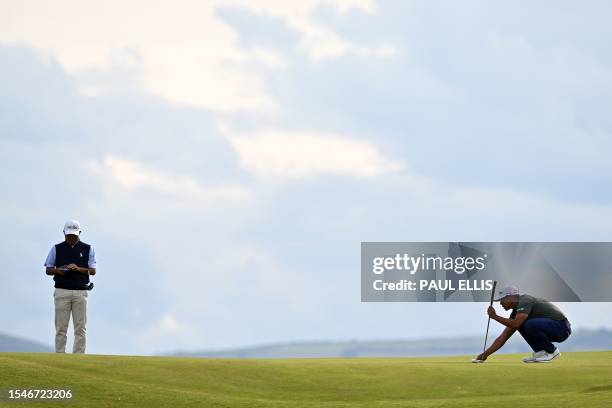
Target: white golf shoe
{"type": "Point", "coordinates": [548, 357]}
{"type": "Point", "coordinates": [542, 356]}
{"type": "Point", "coordinates": [534, 357]}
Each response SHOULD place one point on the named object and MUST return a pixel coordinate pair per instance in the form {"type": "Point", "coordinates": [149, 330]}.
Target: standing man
{"type": "Point", "coordinates": [540, 323]}
{"type": "Point", "coordinates": [71, 263]}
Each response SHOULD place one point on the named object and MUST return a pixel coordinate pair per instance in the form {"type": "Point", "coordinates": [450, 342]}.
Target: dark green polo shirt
{"type": "Point", "coordinates": [537, 307]}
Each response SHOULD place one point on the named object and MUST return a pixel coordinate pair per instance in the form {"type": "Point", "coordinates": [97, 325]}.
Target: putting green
{"type": "Point", "coordinates": [574, 380]}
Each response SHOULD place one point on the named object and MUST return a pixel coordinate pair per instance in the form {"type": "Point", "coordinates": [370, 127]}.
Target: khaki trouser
{"type": "Point", "coordinates": [66, 302]}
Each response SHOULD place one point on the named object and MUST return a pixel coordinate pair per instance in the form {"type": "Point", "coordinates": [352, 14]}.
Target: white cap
{"type": "Point", "coordinates": [72, 227]}
{"type": "Point", "coordinates": [505, 291]}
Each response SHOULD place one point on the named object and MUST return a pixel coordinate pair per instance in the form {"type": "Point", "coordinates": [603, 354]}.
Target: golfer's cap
{"type": "Point", "coordinates": [505, 291]}
{"type": "Point", "coordinates": [72, 227]}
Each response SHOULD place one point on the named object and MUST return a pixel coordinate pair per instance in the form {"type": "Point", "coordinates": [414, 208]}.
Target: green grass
{"type": "Point", "coordinates": [574, 380]}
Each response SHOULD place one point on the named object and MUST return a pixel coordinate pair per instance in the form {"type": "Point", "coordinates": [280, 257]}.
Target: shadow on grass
{"type": "Point", "coordinates": [599, 388]}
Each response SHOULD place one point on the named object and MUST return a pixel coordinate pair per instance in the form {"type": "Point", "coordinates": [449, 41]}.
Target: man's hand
{"type": "Point", "coordinates": [75, 268]}
{"type": "Point", "coordinates": [57, 270]}
{"type": "Point", "coordinates": [481, 357]}
{"type": "Point", "coordinates": [491, 312]}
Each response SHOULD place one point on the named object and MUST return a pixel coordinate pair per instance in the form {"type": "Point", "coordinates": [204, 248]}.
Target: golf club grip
{"type": "Point", "coordinates": [493, 293]}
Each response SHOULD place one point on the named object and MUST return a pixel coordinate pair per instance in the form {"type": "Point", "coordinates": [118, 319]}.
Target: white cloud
{"type": "Point", "coordinates": [165, 333]}
{"type": "Point", "coordinates": [181, 49]}
{"type": "Point", "coordinates": [297, 155]}
{"type": "Point", "coordinates": [269, 58]}
{"type": "Point", "coordinates": [185, 53]}
{"type": "Point", "coordinates": [317, 41]}
{"type": "Point", "coordinates": [169, 323]}
{"type": "Point", "coordinates": [321, 43]}
{"type": "Point", "coordinates": [346, 5]}
{"type": "Point", "coordinates": [132, 175]}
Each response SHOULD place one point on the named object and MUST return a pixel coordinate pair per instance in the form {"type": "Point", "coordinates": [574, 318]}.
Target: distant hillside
{"type": "Point", "coordinates": [17, 344]}
{"type": "Point", "coordinates": [581, 340]}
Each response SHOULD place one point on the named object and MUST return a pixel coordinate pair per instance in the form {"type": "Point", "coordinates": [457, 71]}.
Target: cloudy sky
{"type": "Point", "coordinates": [226, 158]}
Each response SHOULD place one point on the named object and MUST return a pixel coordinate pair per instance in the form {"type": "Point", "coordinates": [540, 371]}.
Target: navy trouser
{"type": "Point", "coordinates": [541, 332]}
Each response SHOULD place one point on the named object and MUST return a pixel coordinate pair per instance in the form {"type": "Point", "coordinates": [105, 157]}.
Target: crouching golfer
{"type": "Point", "coordinates": [540, 323]}
{"type": "Point", "coordinates": [71, 263]}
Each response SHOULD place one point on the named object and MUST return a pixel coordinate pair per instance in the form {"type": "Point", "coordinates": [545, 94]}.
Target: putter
{"type": "Point", "coordinates": [484, 348]}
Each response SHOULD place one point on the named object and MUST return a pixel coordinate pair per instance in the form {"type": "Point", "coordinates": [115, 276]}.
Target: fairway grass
{"type": "Point", "coordinates": [574, 380]}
